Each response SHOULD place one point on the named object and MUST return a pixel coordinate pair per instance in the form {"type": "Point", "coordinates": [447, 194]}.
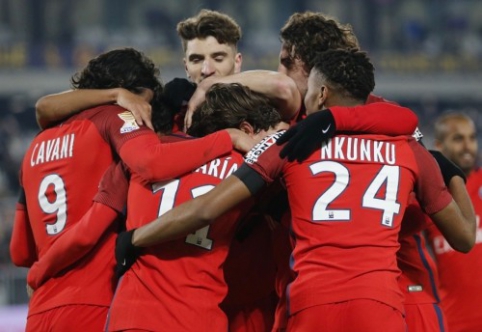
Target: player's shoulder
{"type": "Point", "coordinates": [252, 156]}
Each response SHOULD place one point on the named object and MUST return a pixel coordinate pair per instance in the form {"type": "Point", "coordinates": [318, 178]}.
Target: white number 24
{"type": "Point", "coordinates": [168, 198]}
{"type": "Point", "coordinates": [388, 175]}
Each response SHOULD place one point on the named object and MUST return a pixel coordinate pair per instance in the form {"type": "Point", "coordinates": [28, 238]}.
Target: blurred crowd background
{"type": "Point", "coordinates": [427, 54]}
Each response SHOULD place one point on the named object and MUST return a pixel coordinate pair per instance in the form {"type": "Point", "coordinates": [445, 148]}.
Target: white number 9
{"type": "Point", "coordinates": [58, 206]}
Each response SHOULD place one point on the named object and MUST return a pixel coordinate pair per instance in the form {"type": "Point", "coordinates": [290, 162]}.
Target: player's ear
{"type": "Point", "coordinates": [323, 95]}
{"type": "Point", "coordinates": [247, 128]}
{"type": "Point", "coordinates": [238, 60]}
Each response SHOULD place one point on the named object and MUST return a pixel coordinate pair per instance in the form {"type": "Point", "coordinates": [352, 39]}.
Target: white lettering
{"type": "Point", "coordinates": [352, 148]}
{"type": "Point", "coordinates": [53, 149]}
{"type": "Point", "coordinates": [377, 153]}
{"type": "Point", "coordinates": [365, 150]}
{"type": "Point", "coordinates": [359, 149]}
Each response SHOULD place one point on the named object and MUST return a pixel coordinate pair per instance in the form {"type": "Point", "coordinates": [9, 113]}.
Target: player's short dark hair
{"type": "Point", "coordinates": [121, 68]}
{"type": "Point", "coordinates": [307, 34]}
{"type": "Point", "coordinates": [348, 72]}
{"type": "Point", "coordinates": [228, 105]}
{"type": "Point", "coordinates": [209, 23]}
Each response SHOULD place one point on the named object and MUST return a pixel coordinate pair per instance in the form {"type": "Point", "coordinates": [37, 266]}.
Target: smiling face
{"type": "Point", "coordinates": [207, 57]}
{"type": "Point", "coordinates": [459, 143]}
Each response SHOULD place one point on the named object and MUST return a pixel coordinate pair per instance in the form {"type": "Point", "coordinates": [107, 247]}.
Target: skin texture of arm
{"type": "Point", "coordinates": [55, 107]}
{"type": "Point", "coordinates": [457, 220]}
{"type": "Point", "coordinates": [193, 215]}
{"type": "Point", "coordinates": [22, 243]}
{"type": "Point", "coordinates": [279, 88]}
{"type": "Point", "coordinates": [72, 245]}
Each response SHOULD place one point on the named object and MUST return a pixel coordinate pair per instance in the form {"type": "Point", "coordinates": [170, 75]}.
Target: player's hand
{"type": "Point", "coordinates": [33, 277]}
{"type": "Point", "coordinates": [447, 167]}
{"type": "Point", "coordinates": [241, 141]}
{"type": "Point", "coordinates": [138, 104]}
{"type": "Point", "coordinates": [29, 291]}
{"type": "Point", "coordinates": [307, 135]}
{"type": "Point", "coordinates": [125, 252]}
{"type": "Point", "coordinates": [197, 98]}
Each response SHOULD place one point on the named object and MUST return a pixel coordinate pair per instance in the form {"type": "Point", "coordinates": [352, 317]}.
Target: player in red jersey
{"type": "Point", "coordinates": [334, 261]}
{"type": "Point", "coordinates": [455, 137]}
{"type": "Point", "coordinates": [59, 176]}
{"type": "Point", "coordinates": [419, 278]}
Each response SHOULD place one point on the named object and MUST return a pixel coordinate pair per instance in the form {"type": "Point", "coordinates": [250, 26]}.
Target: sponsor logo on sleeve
{"type": "Point", "coordinates": [252, 156]}
{"type": "Point", "coordinates": [130, 123]}
{"type": "Point", "coordinates": [417, 134]}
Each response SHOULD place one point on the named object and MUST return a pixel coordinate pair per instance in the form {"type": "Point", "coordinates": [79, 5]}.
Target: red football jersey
{"type": "Point", "coordinates": [177, 285]}
{"type": "Point", "coordinates": [419, 279]}
{"type": "Point", "coordinates": [460, 285]}
{"type": "Point", "coordinates": [347, 201]}
{"type": "Point", "coordinates": [60, 174]}
{"type": "Point", "coordinates": [61, 171]}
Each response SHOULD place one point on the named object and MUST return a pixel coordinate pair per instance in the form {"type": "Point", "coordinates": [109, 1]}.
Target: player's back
{"type": "Point", "coordinates": [347, 201]}
{"type": "Point", "coordinates": [177, 285]}
{"type": "Point", "coordinates": [61, 171]}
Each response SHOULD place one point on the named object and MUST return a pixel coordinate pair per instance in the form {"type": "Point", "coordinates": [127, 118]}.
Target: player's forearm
{"type": "Point", "coordinates": [194, 214]}
{"type": "Point", "coordinates": [22, 243]}
{"type": "Point", "coordinates": [73, 244]}
{"type": "Point", "coordinates": [159, 162]}
{"type": "Point", "coordinates": [279, 88]}
{"type": "Point", "coordinates": [55, 107]}
{"type": "Point", "coordinates": [178, 222]}
{"type": "Point", "coordinates": [376, 118]}
{"type": "Point", "coordinates": [461, 197]}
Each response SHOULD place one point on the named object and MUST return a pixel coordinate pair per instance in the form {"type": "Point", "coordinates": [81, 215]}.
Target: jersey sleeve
{"type": "Point", "coordinates": [154, 161]}
{"type": "Point", "coordinates": [264, 158]}
{"type": "Point", "coordinates": [142, 151]}
{"type": "Point", "coordinates": [22, 244]}
{"type": "Point", "coordinates": [430, 188]}
{"type": "Point", "coordinates": [377, 118]}
{"type": "Point", "coordinates": [113, 187]}
{"type": "Point", "coordinates": [73, 244]}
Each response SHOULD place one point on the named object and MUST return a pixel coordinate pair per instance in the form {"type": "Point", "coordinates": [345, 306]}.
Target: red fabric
{"type": "Point", "coordinates": [72, 318]}
{"type": "Point", "coordinates": [146, 157]}
{"type": "Point", "coordinates": [458, 272]}
{"type": "Point", "coordinates": [22, 243]}
{"type": "Point", "coordinates": [61, 171]}
{"type": "Point", "coordinates": [338, 257]}
{"type": "Point", "coordinates": [69, 160]}
{"type": "Point", "coordinates": [375, 118]}
{"type": "Point", "coordinates": [254, 317]}
{"type": "Point", "coordinates": [425, 317]}
{"type": "Point", "coordinates": [179, 284]}
{"type": "Point", "coordinates": [73, 244]}
{"type": "Point", "coordinates": [348, 316]}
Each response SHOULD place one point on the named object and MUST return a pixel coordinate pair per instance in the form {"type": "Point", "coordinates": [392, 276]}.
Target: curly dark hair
{"type": "Point", "coordinates": [228, 105]}
{"type": "Point", "coordinates": [121, 68]}
{"type": "Point", "coordinates": [349, 72]}
{"type": "Point", "coordinates": [307, 34]}
{"type": "Point", "coordinates": [209, 23]}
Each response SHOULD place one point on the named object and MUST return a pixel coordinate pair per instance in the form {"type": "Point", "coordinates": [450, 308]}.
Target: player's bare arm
{"type": "Point", "coordinates": [278, 87]}
{"type": "Point", "coordinates": [55, 107]}
{"type": "Point", "coordinates": [193, 215]}
{"type": "Point", "coordinates": [457, 221]}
